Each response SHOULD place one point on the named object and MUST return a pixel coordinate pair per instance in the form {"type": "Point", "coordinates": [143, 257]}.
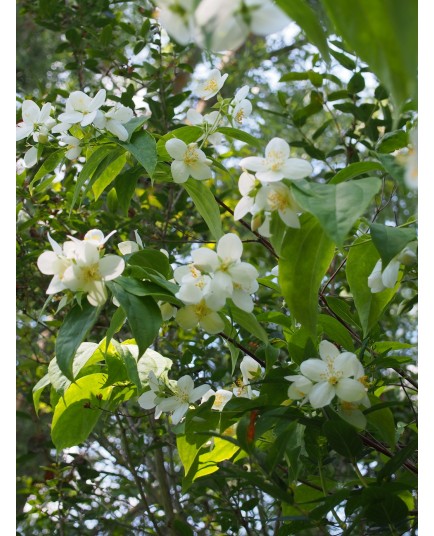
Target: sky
{"type": "Point", "coordinates": [426, 197]}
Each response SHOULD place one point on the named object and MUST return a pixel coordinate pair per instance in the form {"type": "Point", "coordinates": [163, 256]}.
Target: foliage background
{"type": "Point", "coordinates": [30, 79]}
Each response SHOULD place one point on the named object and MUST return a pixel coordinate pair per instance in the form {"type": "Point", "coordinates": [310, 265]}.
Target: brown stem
{"type": "Point", "coordinates": [136, 477]}
{"type": "Point", "coordinates": [243, 348]}
{"type": "Point", "coordinates": [260, 238]}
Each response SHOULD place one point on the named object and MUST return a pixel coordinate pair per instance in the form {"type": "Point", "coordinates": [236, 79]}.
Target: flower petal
{"type": "Point", "coordinates": [179, 413]}
{"type": "Point", "coordinates": [180, 171]}
{"type": "Point", "coordinates": [243, 207]}
{"type": "Point", "coordinates": [321, 394]}
{"type": "Point", "coordinates": [212, 323]}
{"type": "Point", "coordinates": [253, 163]}
{"type": "Point", "coordinates": [350, 390]}
{"type": "Point", "coordinates": [205, 259]}
{"type": "Point", "coordinates": [327, 350]}
{"type": "Point", "coordinates": [314, 369]}
{"type": "Point", "coordinates": [30, 112]}
{"type": "Point", "coordinates": [296, 168]}
{"type": "Point", "coordinates": [230, 247]}
{"type": "Point", "coordinates": [111, 266]}
{"type": "Point", "coordinates": [176, 148]}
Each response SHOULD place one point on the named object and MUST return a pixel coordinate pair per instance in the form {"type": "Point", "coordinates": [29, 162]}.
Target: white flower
{"type": "Point", "coordinates": [80, 108]}
{"type": "Point", "coordinates": [208, 319]}
{"type": "Point", "coordinates": [131, 246]}
{"type": "Point", "coordinates": [380, 279]}
{"type": "Point", "coordinates": [89, 272]}
{"type": "Point", "coordinates": [278, 197]}
{"type": "Point", "coordinates": [176, 17]}
{"type": "Point", "coordinates": [150, 399]}
{"type": "Point", "coordinates": [250, 369]}
{"type": "Point", "coordinates": [189, 160]}
{"type": "Point", "coordinates": [225, 25]}
{"type": "Point", "coordinates": [55, 263]}
{"type": "Point", "coordinates": [114, 120]}
{"type": "Point", "coordinates": [36, 121]}
{"type": "Point", "coordinates": [210, 122]}
{"type": "Point", "coordinates": [230, 276]}
{"type": "Point", "coordinates": [332, 375]}
{"type": "Point", "coordinates": [184, 394]}
{"type": "Point", "coordinates": [277, 165]}
{"type": "Point", "coordinates": [240, 107]}
{"type": "Point", "coordinates": [211, 85]}
{"type": "Point", "coordinates": [241, 110]}
{"type": "Point", "coordinates": [97, 237]}
{"type": "Point", "coordinates": [193, 285]}
{"type": "Point", "coordinates": [72, 145]}
{"type": "Point", "coordinates": [247, 186]}
{"type": "Point", "coordinates": [222, 396]}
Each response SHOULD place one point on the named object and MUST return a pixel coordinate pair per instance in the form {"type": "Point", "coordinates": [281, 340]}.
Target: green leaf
{"type": "Point", "coordinates": [151, 258]}
{"type": "Point", "coordinates": [390, 241]}
{"type": "Point", "coordinates": [143, 147]}
{"type": "Point", "coordinates": [89, 169]}
{"type": "Point", "coordinates": [108, 175]}
{"type": "Point", "coordinates": [343, 438]}
{"type": "Point", "coordinates": [143, 314]}
{"type": "Point", "coordinates": [369, 26]}
{"type": "Point", "coordinates": [344, 60]}
{"type": "Point", "coordinates": [360, 262]}
{"type": "Point", "coordinates": [125, 186]}
{"type": "Point", "coordinates": [382, 420]}
{"type": "Point", "coordinates": [116, 323]}
{"type": "Point", "coordinates": [48, 166]}
{"type": "Point", "coordinates": [249, 322]}
{"type": "Point", "coordinates": [354, 170]}
{"type": "Point", "coordinates": [337, 207]}
{"type": "Point", "coordinates": [240, 135]}
{"type": "Point", "coordinates": [144, 288]}
{"type": "Point", "coordinates": [292, 77]}
{"type": "Point", "coordinates": [84, 353]}
{"type": "Point", "coordinates": [396, 462]}
{"type": "Point", "coordinates": [336, 332]}
{"type": "Point", "coordinates": [235, 352]}
{"type": "Point", "coordinates": [186, 134]}
{"type": "Point", "coordinates": [391, 141]}
{"type": "Point", "coordinates": [37, 391]}
{"type": "Point", "coordinates": [74, 329]}
{"type": "Point", "coordinates": [77, 412]}
{"type": "Point", "coordinates": [305, 256]}
{"type": "Point", "coordinates": [206, 205]}
{"type": "Point", "coordinates": [301, 13]}
{"type": "Point", "coordinates": [356, 83]}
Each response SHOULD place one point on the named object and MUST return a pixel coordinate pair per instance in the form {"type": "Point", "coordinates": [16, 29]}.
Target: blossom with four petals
{"type": "Point", "coordinates": [189, 161]}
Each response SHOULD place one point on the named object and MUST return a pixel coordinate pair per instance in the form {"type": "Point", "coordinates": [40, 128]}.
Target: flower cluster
{"type": "Point", "coordinates": [189, 160]}
{"type": "Point", "coordinates": [222, 25]}
{"type": "Point", "coordinates": [265, 192]}
{"type": "Point", "coordinates": [210, 279]}
{"type": "Point", "coordinates": [81, 111]}
{"type": "Point", "coordinates": [335, 374]}
{"type": "Point", "coordinates": [171, 396]}
{"type": "Point", "coordinates": [176, 397]}
{"type": "Point", "coordinates": [250, 370]}
{"type": "Point", "coordinates": [79, 265]}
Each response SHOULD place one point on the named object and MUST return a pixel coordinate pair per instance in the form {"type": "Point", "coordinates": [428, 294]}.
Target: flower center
{"type": "Point", "coordinates": [211, 85]}
{"type": "Point", "coordinates": [275, 160]}
{"type": "Point", "coordinates": [194, 271]}
{"type": "Point", "coordinates": [191, 155]}
{"type": "Point", "coordinates": [91, 273]}
{"type": "Point", "coordinates": [239, 116]}
{"type": "Point", "coordinates": [277, 200]}
{"type": "Point", "coordinates": [201, 310]}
